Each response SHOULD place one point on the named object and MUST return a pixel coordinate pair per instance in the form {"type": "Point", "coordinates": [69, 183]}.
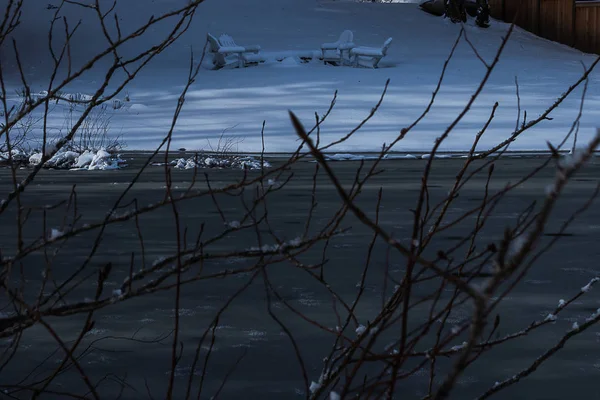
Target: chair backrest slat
{"type": "Point", "coordinates": [386, 45]}
{"type": "Point", "coordinates": [346, 36]}
{"type": "Point", "coordinates": [213, 42]}
{"type": "Point", "coordinates": [226, 40]}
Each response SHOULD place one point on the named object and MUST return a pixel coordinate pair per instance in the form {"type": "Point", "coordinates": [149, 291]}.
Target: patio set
{"type": "Point", "coordinates": [226, 53]}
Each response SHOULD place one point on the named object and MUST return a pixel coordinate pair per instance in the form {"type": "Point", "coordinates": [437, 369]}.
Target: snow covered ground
{"type": "Point", "coordinates": [237, 101]}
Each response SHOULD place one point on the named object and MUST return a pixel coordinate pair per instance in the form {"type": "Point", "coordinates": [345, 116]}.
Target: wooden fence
{"type": "Point", "coordinates": [525, 11]}
{"type": "Point", "coordinates": [571, 22]}
{"type": "Point", "coordinates": [587, 26]}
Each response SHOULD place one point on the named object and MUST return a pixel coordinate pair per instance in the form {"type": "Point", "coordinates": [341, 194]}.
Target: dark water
{"type": "Point", "coordinates": [131, 342]}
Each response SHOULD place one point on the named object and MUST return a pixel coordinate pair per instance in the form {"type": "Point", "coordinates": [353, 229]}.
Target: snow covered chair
{"type": "Point", "coordinates": [227, 54]}
{"type": "Point", "coordinates": [338, 53]}
{"type": "Point", "coordinates": [369, 56]}
{"type": "Point", "coordinates": [224, 56]}
{"type": "Point", "coordinates": [228, 41]}
{"type": "Point", "coordinates": [251, 53]}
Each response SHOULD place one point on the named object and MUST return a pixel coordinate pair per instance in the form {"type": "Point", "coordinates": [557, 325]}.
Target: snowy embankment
{"type": "Point", "coordinates": [237, 101]}
{"type": "Point", "coordinates": [67, 159]}
{"type": "Point", "coordinates": [219, 162]}
{"type": "Point", "coordinates": [88, 160]}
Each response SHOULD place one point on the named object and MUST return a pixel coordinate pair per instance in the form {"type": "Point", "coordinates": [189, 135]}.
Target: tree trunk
{"type": "Point", "coordinates": [483, 14]}
{"type": "Point", "coordinates": [455, 10]}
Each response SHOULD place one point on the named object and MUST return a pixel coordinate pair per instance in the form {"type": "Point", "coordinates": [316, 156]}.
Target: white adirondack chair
{"type": "Point", "coordinates": [369, 56]}
{"type": "Point", "coordinates": [227, 54]}
{"type": "Point", "coordinates": [250, 55]}
{"type": "Point", "coordinates": [338, 52]}
{"type": "Point", "coordinates": [228, 41]}
{"type": "Point", "coordinates": [224, 57]}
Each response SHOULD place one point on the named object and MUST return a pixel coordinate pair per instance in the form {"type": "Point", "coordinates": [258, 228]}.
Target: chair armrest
{"type": "Point", "coordinates": [231, 49]}
{"type": "Point", "coordinates": [253, 48]}
{"type": "Point", "coordinates": [367, 51]}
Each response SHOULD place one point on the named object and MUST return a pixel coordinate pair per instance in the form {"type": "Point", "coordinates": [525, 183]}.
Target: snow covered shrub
{"type": "Point", "coordinates": [221, 155]}
{"type": "Point", "coordinates": [19, 137]}
{"type": "Point", "coordinates": [457, 10]}
{"type": "Point", "coordinates": [94, 132]}
{"type": "Point", "coordinates": [220, 162]}
{"type": "Point", "coordinates": [92, 147]}
{"type": "Point", "coordinates": [225, 145]}
{"type": "Point", "coordinates": [15, 157]}
{"type": "Point", "coordinates": [88, 160]}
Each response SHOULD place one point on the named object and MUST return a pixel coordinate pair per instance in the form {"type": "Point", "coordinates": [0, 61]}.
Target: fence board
{"type": "Point", "coordinates": [587, 26]}
{"type": "Point", "coordinates": [523, 12]}
{"type": "Point", "coordinates": [497, 9]}
{"type": "Point", "coordinates": [556, 21]}
{"type": "Point", "coordinates": [569, 22]}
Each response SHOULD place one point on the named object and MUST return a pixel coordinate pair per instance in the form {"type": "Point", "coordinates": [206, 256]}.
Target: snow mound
{"type": "Point", "coordinates": [345, 157]}
{"type": "Point", "coordinates": [220, 162]}
{"type": "Point", "coordinates": [88, 160]}
{"type": "Point", "coordinates": [360, 157]}
{"type": "Point", "coordinates": [428, 156]}
{"type": "Point", "coordinates": [84, 159]}
{"type": "Point", "coordinates": [287, 62]}
{"type": "Point", "coordinates": [18, 157]}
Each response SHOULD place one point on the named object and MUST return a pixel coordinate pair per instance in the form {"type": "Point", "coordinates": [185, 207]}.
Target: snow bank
{"type": "Point", "coordinates": [360, 157]}
{"type": "Point", "coordinates": [71, 99]}
{"type": "Point", "coordinates": [221, 162]}
{"type": "Point", "coordinates": [18, 156]}
{"type": "Point", "coordinates": [88, 160]}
